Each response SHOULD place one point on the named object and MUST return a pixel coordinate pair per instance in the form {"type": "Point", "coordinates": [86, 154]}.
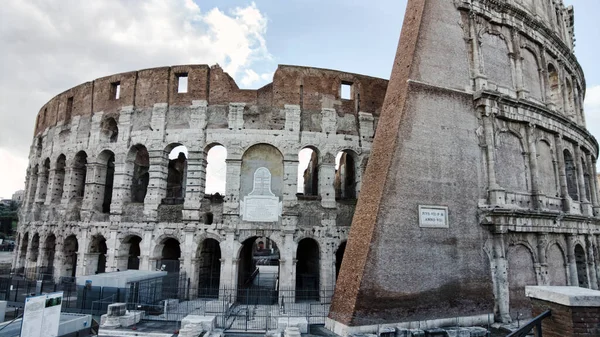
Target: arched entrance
{"type": "Point", "coordinates": [258, 271]}
{"type": "Point", "coordinates": [97, 255]}
{"type": "Point", "coordinates": [339, 256]}
{"type": "Point", "coordinates": [23, 252]}
{"type": "Point", "coordinates": [209, 268]}
{"type": "Point", "coordinates": [133, 256]}
{"type": "Point", "coordinates": [70, 248]}
{"type": "Point", "coordinates": [170, 254]}
{"type": "Point", "coordinates": [582, 276]}
{"type": "Point", "coordinates": [308, 266]}
{"type": "Point", "coordinates": [50, 250]}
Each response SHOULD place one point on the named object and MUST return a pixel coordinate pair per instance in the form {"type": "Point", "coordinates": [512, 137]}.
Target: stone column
{"type": "Point", "coordinates": [496, 193]}
{"type": "Point", "coordinates": [146, 253]}
{"type": "Point", "coordinates": [121, 186]}
{"type": "Point", "coordinates": [500, 273]}
{"type": "Point", "coordinates": [83, 242]}
{"type": "Point", "coordinates": [586, 206]}
{"type": "Point", "coordinates": [573, 279]}
{"type": "Point", "coordinates": [52, 186]}
{"type": "Point", "coordinates": [112, 244]}
{"type": "Point", "coordinates": [229, 259]}
{"type": "Point", "coordinates": [232, 189]}
{"type": "Point", "coordinates": [93, 196]}
{"type": "Point", "coordinates": [591, 261]}
{"type": "Point", "coordinates": [542, 241]}
{"type": "Point", "coordinates": [31, 185]}
{"type": "Point", "coordinates": [290, 181]}
{"type": "Point", "coordinates": [591, 161]}
{"type": "Point", "coordinates": [58, 261]}
{"type": "Point", "coordinates": [533, 164]}
{"type": "Point", "coordinates": [287, 265]}
{"type": "Point", "coordinates": [195, 184]}
{"type": "Point", "coordinates": [326, 169]}
{"type": "Point", "coordinates": [327, 278]}
{"type": "Point", "coordinates": [480, 78]}
{"type": "Point", "coordinates": [157, 185]}
{"type": "Point", "coordinates": [564, 194]}
{"type": "Point", "coordinates": [42, 185]}
{"type": "Point", "coordinates": [189, 255]}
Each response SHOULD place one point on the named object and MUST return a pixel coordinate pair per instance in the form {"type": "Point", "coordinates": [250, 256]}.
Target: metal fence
{"type": "Point", "coordinates": [254, 307]}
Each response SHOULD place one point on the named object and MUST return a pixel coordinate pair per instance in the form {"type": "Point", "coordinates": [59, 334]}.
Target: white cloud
{"type": "Point", "coordinates": [50, 46]}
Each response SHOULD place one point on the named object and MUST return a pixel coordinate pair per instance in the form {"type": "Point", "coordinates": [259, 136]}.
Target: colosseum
{"type": "Point", "coordinates": [123, 173]}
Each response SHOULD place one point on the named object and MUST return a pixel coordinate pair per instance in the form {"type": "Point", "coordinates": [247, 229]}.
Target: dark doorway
{"type": "Point", "coordinates": [209, 268]}
{"type": "Point", "coordinates": [258, 271]}
{"type": "Point", "coordinates": [307, 270]}
{"type": "Point", "coordinates": [133, 256]}
{"type": "Point", "coordinates": [581, 267]}
{"type": "Point", "coordinates": [171, 252]}
{"type": "Point", "coordinates": [108, 185]}
{"type": "Point", "coordinates": [70, 248]}
{"type": "Point", "coordinates": [99, 249]}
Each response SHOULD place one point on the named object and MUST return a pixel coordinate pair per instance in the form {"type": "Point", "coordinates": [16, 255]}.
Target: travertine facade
{"type": "Point", "coordinates": [103, 194]}
{"type": "Point", "coordinates": [483, 128]}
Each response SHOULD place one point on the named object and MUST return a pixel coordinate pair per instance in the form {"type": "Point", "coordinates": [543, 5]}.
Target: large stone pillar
{"type": "Point", "coordinates": [112, 244]}
{"type": "Point", "coordinates": [562, 174]}
{"type": "Point", "coordinates": [533, 164]}
{"type": "Point", "coordinates": [595, 189]}
{"type": "Point", "coordinates": [157, 185]}
{"type": "Point", "coordinates": [287, 265]}
{"type": "Point", "coordinates": [571, 262]}
{"type": "Point", "coordinates": [586, 206]}
{"type": "Point", "coordinates": [326, 179]}
{"type": "Point", "coordinates": [232, 189]}
{"type": "Point", "coordinates": [591, 261]}
{"type": "Point", "coordinates": [290, 181]}
{"type": "Point", "coordinates": [542, 270]}
{"type": "Point", "coordinates": [146, 252]}
{"type": "Point", "coordinates": [195, 183]}
{"type": "Point", "coordinates": [121, 186]}
{"type": "Point", "coordinates": [500, 274]}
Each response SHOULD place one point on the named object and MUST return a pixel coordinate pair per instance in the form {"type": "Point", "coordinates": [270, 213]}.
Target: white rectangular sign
{"type": "Point", "coordinates": [433, 216]}
{"type": "Point", "coordinates": [42, 315]}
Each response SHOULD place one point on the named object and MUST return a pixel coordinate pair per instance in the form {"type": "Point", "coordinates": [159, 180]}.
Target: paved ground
{"type": "Point", "coordinates": [6, 258]}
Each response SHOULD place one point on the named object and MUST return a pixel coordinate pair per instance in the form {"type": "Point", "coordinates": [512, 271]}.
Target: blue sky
{"type": "Point", "coordinates": [50, 46]}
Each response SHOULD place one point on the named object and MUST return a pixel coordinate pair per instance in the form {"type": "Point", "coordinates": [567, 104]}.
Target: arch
{"type": "Point", "coordinates": [209, 268]}
{"type": "Point", "coordinates": [170, 253]}
{"type": "Point", "coordinates": [308, 171]}
{"type": "Point", "coordinates": [531, 73]}
{"type": "Point", "coordinates": [520, 274]}
{"type": "Point", "coordinates": [70, 248]}
{"type": "Point", "coordinates": [308, 265]}
{"type": "Point", "coordinates": [258, 271]}
{"type": "Point", "coordinates": [257, 156]}
{"type": "Point", "coordinates": [216, 169]}
{"type": "Point", "coordinates": [106, 172]}
{"type": "Point", "coordinates": [547, 169]}
{"type": "Point", "coordinates": [97, 255]}
{"type": "Point", "coordinates": [177, 174]}
{"type": "Point", "coordinates": [554, 86]}
{"type": "Point", "coordinates": [339, 257]}
{"type": "Point", "coordinates": [586, 180]}
{"type": "Point", "coordinates": [130, 246]}
{"type": "Point", "coordinates": [571, 174]}
{"type": "Point", "coordinates": [581, 263]}
{"type": "Point", "coordinates": [110, 130]}
{"type": "Point", "coordinates": [345, 181]}
{"type": "Point", "coordinates": [50, 252]}
{"type": "Point", "coordinates": [44, 180]}
{"type": "Point", "coordinates": [557, 267]}
{"type": "Point", "coordinates": [569, 100]}
{"type": "Point", "coordinates": [495, 52]}
{"type": "Point", "coordinates": [510, 164]}
{"type": "Point", "coordinates": [59, 178]}
{"type": "Point", "coordinates": [24, 246]}
{"type": "Point", "coordinates": [79, 170]}
{"type": "Point", "coordinates": [138, 162]}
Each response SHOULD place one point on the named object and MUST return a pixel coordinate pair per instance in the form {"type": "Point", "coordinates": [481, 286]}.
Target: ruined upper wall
{"type": "Point", "coordinates": [311, 88]}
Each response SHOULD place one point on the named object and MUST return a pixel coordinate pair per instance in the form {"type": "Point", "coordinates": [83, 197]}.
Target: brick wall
{"type": "Point", "coordinates": [568, 321]}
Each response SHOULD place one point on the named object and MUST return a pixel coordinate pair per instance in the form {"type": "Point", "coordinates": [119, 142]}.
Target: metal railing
{"type": "Point", "coordinates": [534, 323]}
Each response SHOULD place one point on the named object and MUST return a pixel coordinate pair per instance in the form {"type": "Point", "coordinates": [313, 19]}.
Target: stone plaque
{"type": "Point", "coordinates": [433, 216]}
{"type": "Point", "coordinates": [261, 205]}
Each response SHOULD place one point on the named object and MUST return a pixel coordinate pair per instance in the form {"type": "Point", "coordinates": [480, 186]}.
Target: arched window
{"type": "Point", "coordinates": [141, 176]}
{"type": "Point", "coordinates": [581, 263]}
{"type": "Point", "coordinates": [176, 177]}
{"type": "Point", "coordinates": [110, 130]}
{"type": "Point", "coordinates": [307, 270]}
{"type": "Point", "coordinates": [79, 170]}
{"type": "Point", "coordinates": [308, 172]}
{"type": "Point", "coordinates": [59, 178]}
{"type": "Point", "coordinates": [554, 86]}
{"type": "Point", "coordinates": [97, 254]}
{"type": "Point", "coordinates": [345, 175]}
{"type": "Point", "coordinates": [216, 170]}
{"type": "Point", "coordinates": [571, 173]}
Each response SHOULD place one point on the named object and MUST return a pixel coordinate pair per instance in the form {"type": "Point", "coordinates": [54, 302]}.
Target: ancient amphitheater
{"type": "Point", "coordinates": [506, 158]}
